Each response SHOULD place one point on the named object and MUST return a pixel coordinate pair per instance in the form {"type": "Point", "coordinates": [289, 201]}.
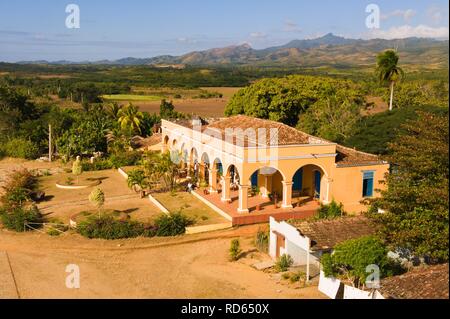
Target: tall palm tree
{"type": "Point", "coordinates": [389, 71]}
{"type": "Point", "coordinates": [130, 118]}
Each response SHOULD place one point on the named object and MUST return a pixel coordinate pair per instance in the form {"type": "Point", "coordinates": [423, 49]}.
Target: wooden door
{"type": "Point", "coordinates": [281, 241]}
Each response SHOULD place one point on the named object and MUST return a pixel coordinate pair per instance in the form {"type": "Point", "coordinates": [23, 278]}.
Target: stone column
{"type": "Point", "coordinates": [226, 182]}
{"type": "Point", "coordinates": [327, 200]}
{"type": "Point", "coordinates": [213, 180]}
{"type": "Point", "coordinates": [243, 198]}
{"type": "Point", "coordinates": [264, 189]}
{"type": "Point", "coordinates": [287, 195]}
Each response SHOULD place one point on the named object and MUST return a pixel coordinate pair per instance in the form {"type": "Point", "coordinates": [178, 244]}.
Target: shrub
{"type": "Point", "coordinates": [98, 165]}
{"type": "Point", "coordinates": [297, 276]}
{"type": "Point", "coordinates": [330, 211]}
{"type": "Point", "coordinates": [21, 148]}
{"type": "Point", "coordinates": [17, 218]}
{"type": "Point", "coordinates": [77, 168]}
{"type": "Point", "coordinates": [172, 225]}
{"type": "Point", "coordinates": [262, 240]}
{"type": "Point", "coordinates": [125, 159]}
{"type": "Point", "coordinates": [18, 188]}
{"type": "Point", "coordinates": [97, 198]}
{"type": "Point", "coordinates": [283, 263]}
{"type": "Point", "coordinates": [235, 249]}
{"type": "Point", "coordinates": [106, 227]}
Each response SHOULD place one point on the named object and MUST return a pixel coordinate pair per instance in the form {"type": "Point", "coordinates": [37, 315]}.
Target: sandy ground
{"type": "Point", "coordinates": [194, 266]}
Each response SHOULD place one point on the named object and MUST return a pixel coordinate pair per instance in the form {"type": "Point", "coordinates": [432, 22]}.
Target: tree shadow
{"type": "Point", "coordinates": [129, 210]}
{"type": "Point", "coordinates": [92, 179]}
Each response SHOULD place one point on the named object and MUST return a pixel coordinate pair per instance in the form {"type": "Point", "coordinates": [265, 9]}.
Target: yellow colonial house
{"type": "Point", "coordinates": [258, 168]}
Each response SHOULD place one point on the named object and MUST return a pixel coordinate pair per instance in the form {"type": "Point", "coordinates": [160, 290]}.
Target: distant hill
{"type": "Point", "coordinates": [327, 50]}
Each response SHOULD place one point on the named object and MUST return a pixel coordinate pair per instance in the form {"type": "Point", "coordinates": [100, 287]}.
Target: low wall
{"type": "Point", "coordinates": [158, 204]}
{"type": "Point", "coordinates": [207, 228]}
{"type": "Point", "coordinates": [76, 187]}
{"type": "Point", "coordinates": [122, 172]}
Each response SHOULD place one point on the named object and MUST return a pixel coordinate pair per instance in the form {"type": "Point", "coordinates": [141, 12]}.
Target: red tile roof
{"type": "Point", "coordinates": [425, 282]}
{"type": "Point", "coordinates": [286, 135]}
{"type": "Point", "coordinates": [325, 234]}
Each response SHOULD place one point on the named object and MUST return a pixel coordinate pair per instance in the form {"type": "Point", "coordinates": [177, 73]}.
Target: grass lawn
{"type": "Point", "coordinates": [63, 203]}
{"type": "Point", "coordinates": [190, 206]}
{"type": "Point", "coordinates": [132, 97]}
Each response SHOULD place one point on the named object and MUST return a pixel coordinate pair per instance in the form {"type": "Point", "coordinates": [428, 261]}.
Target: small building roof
{"type": "Point", "coordinates": [141, 143]}
{"type": "Point", "coordinates": [325, 234]}
{"type": "Point", "coordinates": [351, 157]}
{"type": "Point", "coordinates": [425, 282]}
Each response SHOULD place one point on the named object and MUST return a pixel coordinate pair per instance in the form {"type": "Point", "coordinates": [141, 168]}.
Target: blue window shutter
{"type": "Point", "coordinates": [370, 187]}
{"type": "Point", "coordinates": [368, 178]}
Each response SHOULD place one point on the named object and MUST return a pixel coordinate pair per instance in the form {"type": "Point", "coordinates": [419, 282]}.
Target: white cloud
{"type": "Point", "coordinates": [258, 35]}
{"type": "Point", "coordinates": [290, 26]}
{"type": "Point", "coordinates": [435, 14]}
{"type": "Point", "coordinates": [406, 31]}
{"type": "Point", "coordinates": [407, 15]}
{"type": "Point", "coordinates": [187, 40]}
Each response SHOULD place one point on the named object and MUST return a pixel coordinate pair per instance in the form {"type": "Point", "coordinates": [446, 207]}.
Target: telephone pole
{"type": "Point", "coordinates": [50, 143]}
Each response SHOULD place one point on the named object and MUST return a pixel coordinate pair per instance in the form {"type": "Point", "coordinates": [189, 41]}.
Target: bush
{"type": "Point", "coordinates": [297, 276]}
{"type": "Point", "coordinates": [18, 188]}
{"type": "Point", "coordinates": [235, 249]}
{"type": "Point", "coordinates": [262, 240]}
{"type": "Point", "coordinates": [21, 148]}
{"type": "Point", "coordinates": [106, 227]}
{"type": "Point", "coordinates": [17, 218]}
{"type": "Point", "coordinates": [173, 224]}
{"type": "Point", "coordinates": [125, 159]}
{"type": "Point", "coordinates": [330, 211]}
{"type": "Point", "coordinates": [98, 165]}
{"type": "Point", "coordinates": [283, 263]}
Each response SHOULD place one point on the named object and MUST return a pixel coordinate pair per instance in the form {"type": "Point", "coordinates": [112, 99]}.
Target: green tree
{"type": "Point", "coordinates": [77, 168]}
{"type": "Point", "coordinates": [350, 259]}
{"type": "Point", "coordinates": [388, 71]}
{"type": "Point", "coordinates": [135, 178]}
{"type": "Point", "coordinates": [285, 99]}
{"type": "Point", "coordinates": [416, 197]}
{"type": "Point", "coordinates": [166, 109]}
{"type": "Point", "coordinates": [130, 118]}
{"type": "Point", "coordinates": [97, 198]}
{"type": "Point", "coordinates": [333, 118]}
{"type": "Point", "coordinates": [114, 111]}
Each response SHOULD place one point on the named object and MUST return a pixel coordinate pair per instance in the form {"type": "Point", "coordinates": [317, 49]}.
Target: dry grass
{"type": "Point", "coordinates": [190, 206]}
{"type": "Point", "coordinates": [62, 203]}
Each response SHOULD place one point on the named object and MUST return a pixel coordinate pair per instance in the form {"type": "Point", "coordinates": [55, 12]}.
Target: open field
{"type": "Point", "coordinates": [201, 107]}
{"type": "Point", "coordinates": [149, 99]}
{"type": "Point", "coordinates": [194, 266]}
{"type": "Point", "coordinates": [131, 97]}
{"type": "Point", "coordinates": [190, 206]}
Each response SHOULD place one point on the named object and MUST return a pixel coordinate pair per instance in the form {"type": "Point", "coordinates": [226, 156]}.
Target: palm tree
{"type": "Point", "coordinates": [130, 118]}
{"type": "Point", "coordinates": [388, 70]}
{"type": "Point", "coordinates": [113, 111]}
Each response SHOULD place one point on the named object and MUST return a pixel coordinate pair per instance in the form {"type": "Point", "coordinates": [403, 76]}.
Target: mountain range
{"type": "Point", "coordinates": [327, 50]}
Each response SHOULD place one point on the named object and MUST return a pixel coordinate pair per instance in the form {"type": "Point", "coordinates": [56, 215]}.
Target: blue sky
{"type": "Point", "coordinates": [34, 30]}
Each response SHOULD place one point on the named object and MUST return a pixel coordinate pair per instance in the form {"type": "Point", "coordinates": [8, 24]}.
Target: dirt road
{"type": "Point", "coordinates": [194, 266]}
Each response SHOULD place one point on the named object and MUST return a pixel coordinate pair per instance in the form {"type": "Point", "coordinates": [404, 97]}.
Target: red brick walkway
{"type": "Point", "coordinates": [267, 209]}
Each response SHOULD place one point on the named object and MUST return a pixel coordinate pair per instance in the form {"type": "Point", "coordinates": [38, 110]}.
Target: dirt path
{"type": "Point", "coordinates": [193, 266]}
